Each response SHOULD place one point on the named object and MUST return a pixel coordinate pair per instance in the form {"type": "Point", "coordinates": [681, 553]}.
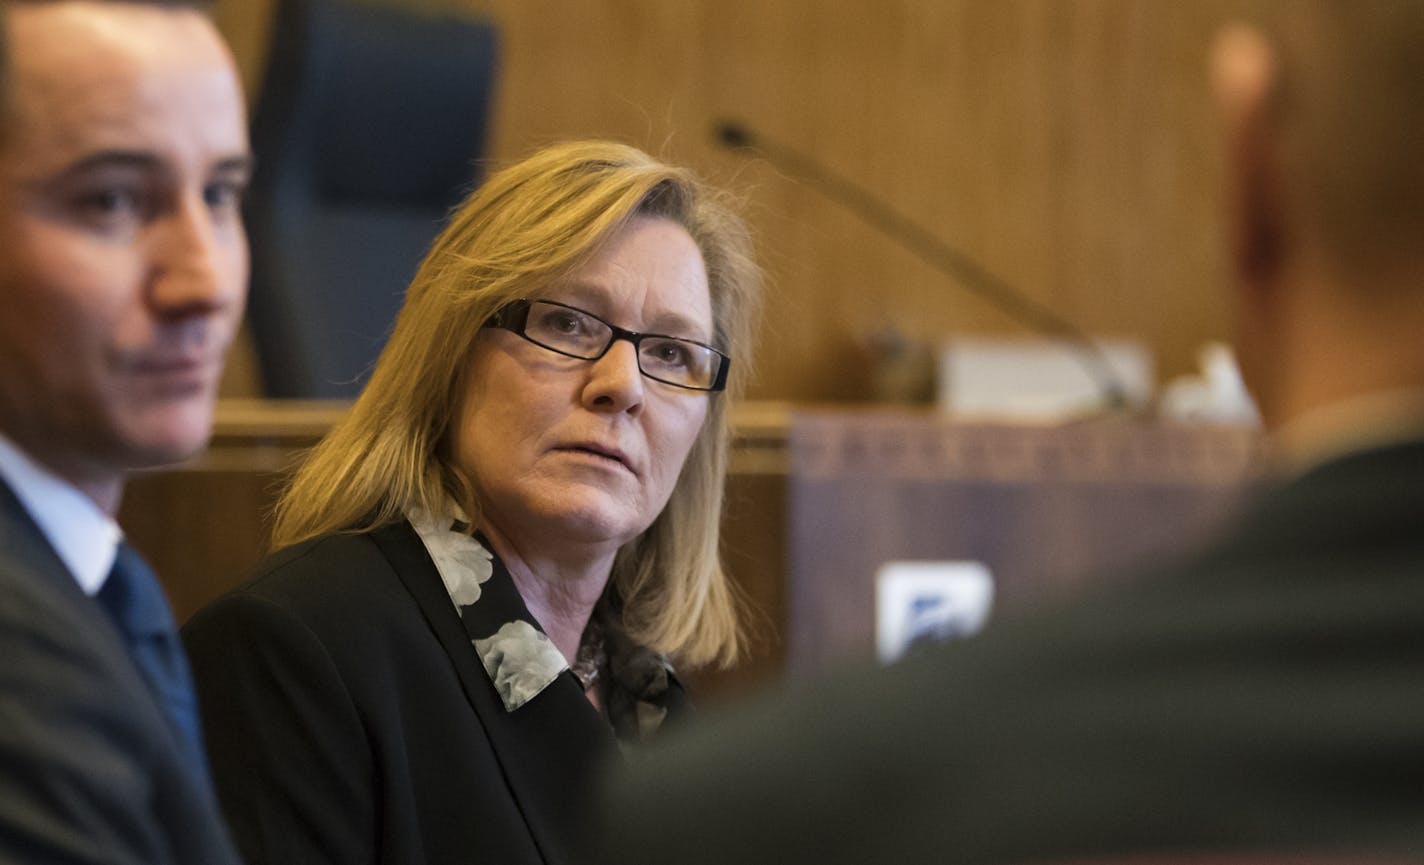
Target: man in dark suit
{"type": "Point", "coordinates": [123, 264]}
{"type": "Point", "coordinates": [1261, 696]}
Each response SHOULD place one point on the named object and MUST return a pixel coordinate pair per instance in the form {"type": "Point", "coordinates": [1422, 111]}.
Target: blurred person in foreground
{"type": "Point", "coordinates": [123, 269]}
{"type": "Point", "coordinates": [487, 568]}
{"type": "Point", "coordinates": [1259, 697]}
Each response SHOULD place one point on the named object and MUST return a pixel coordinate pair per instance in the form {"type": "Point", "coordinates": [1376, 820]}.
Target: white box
{"type": "Point", "coordinates": [1036, 379]}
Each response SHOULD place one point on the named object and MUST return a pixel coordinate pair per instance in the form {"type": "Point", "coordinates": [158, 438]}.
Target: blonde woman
{"type": "Point", "coordinates": [488, 570]}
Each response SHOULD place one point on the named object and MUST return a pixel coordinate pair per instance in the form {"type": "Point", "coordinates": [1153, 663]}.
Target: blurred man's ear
{"type": "Point", "coordinates": [1244, 74]}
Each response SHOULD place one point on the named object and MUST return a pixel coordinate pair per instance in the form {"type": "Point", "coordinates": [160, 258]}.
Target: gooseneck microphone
{"type": "Point", "coordinates": [947, 260]}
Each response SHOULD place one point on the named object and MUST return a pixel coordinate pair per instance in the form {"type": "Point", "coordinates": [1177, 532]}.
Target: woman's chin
{"type": "Point", "coordinates": [590, 517]}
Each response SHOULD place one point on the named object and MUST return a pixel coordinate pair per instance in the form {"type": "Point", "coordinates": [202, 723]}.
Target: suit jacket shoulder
{"type": "Point", "coordinates": [1257, 695]}
{"type": "Point", "coordinates": [92, 772]}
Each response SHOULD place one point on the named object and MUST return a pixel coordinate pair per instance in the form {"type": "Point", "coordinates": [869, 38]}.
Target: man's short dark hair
{"type": "Point", "coordinates": [1351, 119]}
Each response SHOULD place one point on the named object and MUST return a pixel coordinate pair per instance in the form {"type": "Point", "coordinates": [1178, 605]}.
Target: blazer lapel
{"type": "Point", "coordinates": [543, 745]}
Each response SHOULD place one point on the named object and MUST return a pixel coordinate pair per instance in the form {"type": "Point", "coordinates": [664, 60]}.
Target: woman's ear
{"type": "Point", "coordinates": [1244, 75]}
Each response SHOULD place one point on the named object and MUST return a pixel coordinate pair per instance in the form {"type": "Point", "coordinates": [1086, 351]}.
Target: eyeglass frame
{"type": "Point", "coordinates": [514, 317]}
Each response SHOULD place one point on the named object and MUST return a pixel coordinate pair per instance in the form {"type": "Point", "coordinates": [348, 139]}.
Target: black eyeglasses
{"type": "Point", "coordinates": [572, 332]}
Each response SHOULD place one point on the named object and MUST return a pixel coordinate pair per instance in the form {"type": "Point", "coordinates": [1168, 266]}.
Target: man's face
{"type": "Point", "coordinates": [123, 262]}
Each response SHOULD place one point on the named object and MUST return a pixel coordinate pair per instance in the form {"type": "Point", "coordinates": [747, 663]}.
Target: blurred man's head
{"type": "Point", "coordinates": [1326, 127]}
{"type": "Point", "coordinates": [123, 262]}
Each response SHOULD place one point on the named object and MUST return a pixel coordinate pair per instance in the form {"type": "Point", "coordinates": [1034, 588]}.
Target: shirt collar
{"type": "Point", "coordinates": [86, 538]}
{"type": "Point", "coordinates": [519, 658]}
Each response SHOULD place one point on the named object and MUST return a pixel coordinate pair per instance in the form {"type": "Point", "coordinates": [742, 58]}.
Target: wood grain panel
{"type": "Point", "coordinates": [1068, 146]}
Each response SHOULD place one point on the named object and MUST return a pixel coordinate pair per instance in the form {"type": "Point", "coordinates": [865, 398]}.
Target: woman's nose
{"type": "Point", "coordinates": [615, 383]}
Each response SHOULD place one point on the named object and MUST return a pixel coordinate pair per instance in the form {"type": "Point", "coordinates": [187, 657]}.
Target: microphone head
{"type": "Point", "coordinates": [732, 134]}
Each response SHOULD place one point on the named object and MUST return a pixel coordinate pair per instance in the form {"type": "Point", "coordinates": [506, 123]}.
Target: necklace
{"type": "Point", "coordinates": [591, 657]}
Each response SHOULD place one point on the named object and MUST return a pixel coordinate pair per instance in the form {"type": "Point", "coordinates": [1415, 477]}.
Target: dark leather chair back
{"type": "Point", "coordinates": [368, 130]}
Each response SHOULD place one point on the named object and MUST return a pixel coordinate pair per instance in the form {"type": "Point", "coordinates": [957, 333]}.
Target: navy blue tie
{"type": "Point", "coordinates": [134, 600]}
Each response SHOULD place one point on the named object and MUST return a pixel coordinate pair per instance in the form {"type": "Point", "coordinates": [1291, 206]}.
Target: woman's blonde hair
{"type": "Point", "coordinates": [523, 230]}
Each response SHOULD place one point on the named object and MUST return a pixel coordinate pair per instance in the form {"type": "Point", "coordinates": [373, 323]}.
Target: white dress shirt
{"type": "Point", "coordinates": [86, 538]}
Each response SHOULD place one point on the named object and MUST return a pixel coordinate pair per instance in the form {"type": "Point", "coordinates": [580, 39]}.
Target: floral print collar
{"type": "Point", "coordinates": [520, 659]}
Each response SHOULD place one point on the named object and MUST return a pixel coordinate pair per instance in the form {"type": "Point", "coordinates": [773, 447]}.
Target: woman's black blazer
{"type": "Point", "coordinates": [349, 719]}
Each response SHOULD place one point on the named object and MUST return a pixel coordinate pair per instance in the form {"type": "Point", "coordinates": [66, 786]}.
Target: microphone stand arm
{"type": "Point", "coordinates": [940, 255]}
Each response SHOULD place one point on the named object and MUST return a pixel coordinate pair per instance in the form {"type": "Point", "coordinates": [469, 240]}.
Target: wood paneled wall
{"type": "Point", "coordinates": [1067, 145]}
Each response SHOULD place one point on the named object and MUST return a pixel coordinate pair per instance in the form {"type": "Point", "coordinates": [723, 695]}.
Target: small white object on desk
{"type": "Point", "coordinates": [1039, 380]}
{"type": "Point", "coordinates": [918, 603]}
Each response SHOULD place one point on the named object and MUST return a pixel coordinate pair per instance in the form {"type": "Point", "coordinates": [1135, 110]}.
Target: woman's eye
{"type": "Point", "coordinates": [564, 322]}
{"type": "Point", "coordinates": [672, 355]}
